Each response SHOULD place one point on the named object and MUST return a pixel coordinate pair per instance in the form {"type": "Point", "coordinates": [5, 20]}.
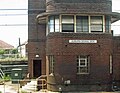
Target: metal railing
{"type": "Point", "coordinates": [14, 59]}
{"type": "Point", "coordinates": [1, 73]}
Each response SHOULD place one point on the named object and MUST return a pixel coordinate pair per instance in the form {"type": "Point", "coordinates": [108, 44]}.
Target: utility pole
{"type": "Point", "coordinates": [19, 47]}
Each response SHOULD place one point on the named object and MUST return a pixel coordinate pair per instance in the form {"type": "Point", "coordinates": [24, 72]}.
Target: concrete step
{"type": "Point", "coordinates": [30, 87]}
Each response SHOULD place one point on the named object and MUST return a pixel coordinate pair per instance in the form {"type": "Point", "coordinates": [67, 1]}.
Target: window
{"type": "Point", "coordinates": [82, 64]}
{"type": "Point", "coordinates": [67, 23]}
{"type": "Point", "coordinates": [51, 64]}
{"type": "Point", "coordinates": [53, 24]}
{"type": "Point", "coordinates": [78, 23]}
{"type": "Point", "coordinates": [82, 24]}
{"type": "Point", "coordinates": [96, 23]}
{"type": "Point", "coordinates": [111, 64]}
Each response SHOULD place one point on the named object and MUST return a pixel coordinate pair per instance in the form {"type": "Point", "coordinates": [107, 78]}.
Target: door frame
{"type": "Point", "coordinates": [33, 65]}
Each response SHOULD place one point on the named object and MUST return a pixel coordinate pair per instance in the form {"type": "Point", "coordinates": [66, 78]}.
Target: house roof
{"type": "Point", "coordinates": [4, 45]}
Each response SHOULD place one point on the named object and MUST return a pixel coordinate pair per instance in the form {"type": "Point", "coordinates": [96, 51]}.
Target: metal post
{"type": "Point", "coordinates": [4, 83]}
{"type": "Point", "coordinates": [18, 85]}
{"type": "Point", "coordinates": [42, 84]}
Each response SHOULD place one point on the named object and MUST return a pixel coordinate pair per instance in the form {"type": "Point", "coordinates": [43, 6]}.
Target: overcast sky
{"type": "Point", "coordinates": [10, 32]}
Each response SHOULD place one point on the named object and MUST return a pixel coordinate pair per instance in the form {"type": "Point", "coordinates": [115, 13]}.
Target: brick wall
{"type": "Point", "coordinates": [79, 6]}
{"type": "Point", "coordinates": [116, 58]}
{"type": "Point", "coordinates": [65, 58]}
{"type": "Point", "coordinates": [36, 34]}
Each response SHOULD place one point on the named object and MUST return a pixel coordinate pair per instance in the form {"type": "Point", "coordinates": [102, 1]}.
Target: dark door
{"type": "Point", "coordinates": [36, 68]}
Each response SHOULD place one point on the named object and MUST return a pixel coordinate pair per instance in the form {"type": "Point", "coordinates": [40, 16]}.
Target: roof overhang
{"type": "Point", "coordinates": [115, 16]}
{"type": "Point", "coordinates": [41, 18]}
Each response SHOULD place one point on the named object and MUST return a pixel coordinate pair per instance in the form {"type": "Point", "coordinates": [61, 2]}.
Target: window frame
{"type": "Point", "coordinates": [82, 23]}
{"type": "Point", "coordinates": [102, 24]}
{"type": "Point", "coordinates": [86, 65]}
{"type": "Point", "coordinates": [55, 17]}
{"type": "Point", "coordinates": [51, 60]}
{"type": "Point", "coordinates": [111, 64]}
{"type": "Point", "coordinates": [74, 23]}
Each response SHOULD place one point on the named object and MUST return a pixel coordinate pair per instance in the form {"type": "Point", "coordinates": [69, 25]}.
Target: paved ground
{"type": "Point", "coordinates": [14, 88]}
{"type": "Point", "coordinates": [9, 88]}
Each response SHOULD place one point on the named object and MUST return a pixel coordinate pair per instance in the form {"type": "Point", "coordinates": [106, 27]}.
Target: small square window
{"type": "Point", "coordinates": [82, 64]}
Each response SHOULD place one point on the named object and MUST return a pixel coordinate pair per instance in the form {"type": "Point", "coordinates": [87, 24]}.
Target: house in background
{"type": "Point", "coordinates": [22, 50]}
{"type": "Point", "coordinates": [4, 45]}
{"type": "Point", "coordinates": [71, 42]}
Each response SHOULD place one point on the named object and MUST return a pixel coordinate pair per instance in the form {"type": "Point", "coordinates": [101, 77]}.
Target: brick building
{"type": "Point", "coordinates": [71, 42]}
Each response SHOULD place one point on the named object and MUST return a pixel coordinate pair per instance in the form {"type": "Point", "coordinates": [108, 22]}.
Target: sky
{"type": "Point", "coordinates": [14, 20]}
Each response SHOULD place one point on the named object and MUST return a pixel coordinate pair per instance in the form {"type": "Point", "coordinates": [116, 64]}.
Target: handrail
{"type": "Point", "coordinates": [43, 81]}
{"type": "Point", "coordinates": [42, 76]}
{"type": "Point", "coordinates": [1, 73]}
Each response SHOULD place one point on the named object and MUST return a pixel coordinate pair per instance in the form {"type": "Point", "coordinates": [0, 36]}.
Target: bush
{"type": "Point", "coordinates": [6, 78]}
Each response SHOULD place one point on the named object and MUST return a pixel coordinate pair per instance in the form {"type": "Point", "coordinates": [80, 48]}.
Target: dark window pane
{"type": "Point", "coordinates": [67, 23]}
{"type": "Point", "coordinates": [82, 24]}
{"type": "Point", "coordinates": [67, 28]}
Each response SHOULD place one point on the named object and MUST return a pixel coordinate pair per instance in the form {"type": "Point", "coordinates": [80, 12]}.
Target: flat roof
{"type": "Point", "coordinates": [114, 15]}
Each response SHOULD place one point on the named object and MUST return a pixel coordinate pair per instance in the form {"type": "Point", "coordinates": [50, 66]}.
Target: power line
{"type": "Point", "coordinates": [12, 9]}
{"type": "Point", "coordinates": [35, 24]}
{"type": "Point", "coordinates": [13, 14]}
{"type": "Point", "coordinates": [13, 24]}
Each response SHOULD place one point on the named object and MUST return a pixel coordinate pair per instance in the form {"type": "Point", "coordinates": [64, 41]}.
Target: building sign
{"type": "Point", "coordinates": [82, 41]}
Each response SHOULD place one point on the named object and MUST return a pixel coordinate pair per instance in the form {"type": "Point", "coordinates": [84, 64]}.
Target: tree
{"type": "Point", "coordinates": [14, 51]}
{"type": "Point", "coordinates": [2, 51]}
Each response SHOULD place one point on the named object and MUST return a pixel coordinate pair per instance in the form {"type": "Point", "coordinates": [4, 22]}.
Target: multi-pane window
{"type": "Point", "coordinates": [53, 24]}
{"type": "Point", "coordinates": [67, 23]}
{"type": "Point", "coordinates": [96, 23]}
{"type": "Point", "coordinates": [82, 24]}
{"type": "Point", "coordinates": [78, 23]}
{"type": "Point", "coordinates": [51, 63]}
{"type": "Point", "coordinates": [82, 64]}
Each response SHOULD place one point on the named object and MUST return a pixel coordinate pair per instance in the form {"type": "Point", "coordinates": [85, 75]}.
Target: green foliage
{"type": "Point", "coordinates": [14, 51]}
{"type": "Point", "coordinates": [0, 92]}
{"type": "Point", "coordinates": [8, 51]}
{"type": "Point", "coordinates": [6, 78]}
{"type": "Point", "coordinates": [2, 51]}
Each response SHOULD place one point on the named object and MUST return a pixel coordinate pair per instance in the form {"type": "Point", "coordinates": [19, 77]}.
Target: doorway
{"type": "Point", "coordinates": [36, 68]}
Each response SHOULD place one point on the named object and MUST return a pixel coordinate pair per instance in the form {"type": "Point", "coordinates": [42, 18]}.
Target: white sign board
{"type": "Point", "coordinates": [82, 41]}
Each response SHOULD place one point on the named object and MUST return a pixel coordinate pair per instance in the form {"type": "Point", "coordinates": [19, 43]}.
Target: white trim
{"type": "Point", "coordinates": [111, 64]}
{"type": "Point", "coordinates": [74, 23]}
{"type": "Point", "coordinates": [89, 24]}
{"type": "Point", "coordinates": [60, 23]}
{"type": "Point", "coordinates": [103, 24]}
{"type": "Point", "coordinates": [47, 26]}
{"type": "Point", "coordinates": [86, 66]}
